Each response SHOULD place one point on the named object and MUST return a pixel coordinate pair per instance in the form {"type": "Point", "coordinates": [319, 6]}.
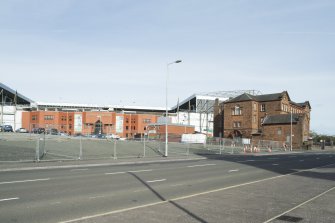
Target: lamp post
{"type": "Point", "coordinates": [291, 130]}
{"type": "Point", "coordinates": [166, 106]}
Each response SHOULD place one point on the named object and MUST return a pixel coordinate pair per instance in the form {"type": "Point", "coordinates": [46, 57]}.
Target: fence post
{"type": "Point", "coordinates": [232, 147]}
{"type": "Point", "coordinates": [220, 142]}
{"type": "Point", "coordinates": [115, 149]}
{"type": "Point", "coordinates": [37, 155]}
{"type": "Point", "coordinates": [80, 149]}
{"type": "Point", "coordinates": [44, 152]}
{"type": "Point", "coordinates": [144, 146]}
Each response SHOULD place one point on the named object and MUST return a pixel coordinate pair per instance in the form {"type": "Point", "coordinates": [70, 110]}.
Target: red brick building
{"type": "Point", "coordinates": [264, 117]}
{"type": "Point", "coordinates": [125, 125]}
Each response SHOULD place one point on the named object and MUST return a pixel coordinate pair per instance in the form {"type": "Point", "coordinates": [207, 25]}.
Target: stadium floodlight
{"type": "Point", "coordinates": [166, 106]}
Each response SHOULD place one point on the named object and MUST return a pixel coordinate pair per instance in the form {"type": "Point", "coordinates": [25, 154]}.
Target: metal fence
{"type": "Point", "coordinates": [40, 147]}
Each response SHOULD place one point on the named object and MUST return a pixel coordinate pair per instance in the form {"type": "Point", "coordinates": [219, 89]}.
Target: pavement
{"type": "Point", "coordinates": [52, 164]}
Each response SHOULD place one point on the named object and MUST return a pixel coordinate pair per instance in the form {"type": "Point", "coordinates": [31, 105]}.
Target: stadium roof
{"type": "Point", "coordinates": [11, 96]}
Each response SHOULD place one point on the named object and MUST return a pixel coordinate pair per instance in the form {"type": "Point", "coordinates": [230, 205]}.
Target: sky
{"type": "Point", "coordinates": [115, 52]}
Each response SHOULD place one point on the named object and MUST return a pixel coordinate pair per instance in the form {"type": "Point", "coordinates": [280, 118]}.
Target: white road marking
{"type": "Point", "coordinates": [209, 164]}
{"type": "Point", "coordinates": [131, 171]}
{"type": "Point", "coordinates": [188, 196]}
{"type": "Point", "coordinates": [141, 190]}
{"type": "Point", "coordinates": [153, 181]}
{"type": "Point", "coordinates": [275, 164]}
{"type": "Point", "coordinates": [317, 158]}
{"type": "Point", "coordinates": [24, 181]}
{"type": "Point", "coordinates": [138, 171]}
{"type": "Point", "coordinates": [78, 169]}
{"type": "Point", "coordinates": [114, 173]}
{"type": "Point", "coordinates": [313, 198]}
{"type": "Point", "coordinates": [301, 160]}
{"type": "Point", "coordinates": [250, 160]}
{"type": "Point", "coordinates": [96, 197]}
{"type": "Point", "coordinates": [9, 199]}
{"type": "Point", "coordinates": [177, 185]}
{"type": "Point", "coordinates": [236, 170]}
{"type": "Point", "coordinates": [55, 203]}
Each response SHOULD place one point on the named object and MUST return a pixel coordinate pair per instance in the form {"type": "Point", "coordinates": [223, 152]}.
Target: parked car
{"type": "Point", "coordinates": [38, 130]}
{"type": "Point", "coordinates": [52, 131]}
{"type": "Point", "coordinates": [112, 136]}
{"type": "Point", "coordinates": [63, 134]}
{"type": "Point", "coordinates": [7, 128]}
{"type": "Point", "coordinates": [21, 130]}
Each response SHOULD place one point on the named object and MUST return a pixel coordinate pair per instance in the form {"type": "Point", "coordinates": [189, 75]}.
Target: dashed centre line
{"type": "Point", "coordinates": [236, 170]}
{"type": "Point", "coordinates": [139, 171]}
{"type": "Point", "coordinates": [9, 199]}
{"type": "Point", "coordinates": [24, 181]}
{"type": "Point", "coordinates": [154, 181]}
{"type": "Point", "coordinates": [78, 169]}
{"type": "Point", "coordinates": [114, 173]}
{"type": "Point", "coordinates": [209, 164]}
{"type": "Point", "coordinates": [131, 171]}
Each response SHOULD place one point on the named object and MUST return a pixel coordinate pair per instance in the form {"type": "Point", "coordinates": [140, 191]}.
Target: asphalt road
{"type": "Point", "coordinates": [272, 188]}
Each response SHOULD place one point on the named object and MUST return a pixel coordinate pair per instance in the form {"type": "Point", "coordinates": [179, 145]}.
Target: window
{"type": "Point", "coordinates": [147, 120]}
{"type": "Point", "coordinates": [237, 110]}
{"type": "Point", "coordinates": [126, 127]}
{"type": "Point", "coordinates": [34, 117]}
{"type": "Point", "coordinates": [237, 124]}
{"type": "Point", "coordinates": [262, 107]}
{"type": "Point", "coordinates": [279, 131]}
{"type": "Point", "coordinates": [49, 117]}
{"type": "Point", "coordinates": [70, 118]}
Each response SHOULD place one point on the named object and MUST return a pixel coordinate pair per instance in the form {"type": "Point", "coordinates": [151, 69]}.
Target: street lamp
{"type": "Point", "coordinates": [166, 106]}
{"type": "Point", "coordinates": [291, 130]}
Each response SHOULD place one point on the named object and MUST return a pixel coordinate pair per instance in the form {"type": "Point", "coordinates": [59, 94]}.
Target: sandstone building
{"type": "Point", "coordinates": [264, 117]}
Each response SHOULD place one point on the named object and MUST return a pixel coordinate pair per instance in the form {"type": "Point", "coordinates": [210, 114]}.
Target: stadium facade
{"type": "Point", "coordinates": [126, 121]}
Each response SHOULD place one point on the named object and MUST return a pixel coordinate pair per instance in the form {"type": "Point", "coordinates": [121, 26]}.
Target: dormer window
{"type": "Point", "coordinates": [262, 107]}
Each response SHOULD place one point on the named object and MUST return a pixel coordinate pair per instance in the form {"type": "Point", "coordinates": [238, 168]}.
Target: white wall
{"type": "Point", "coordinates": [186, 118]}
{"type": "Point", "coordinates": [11, 116]}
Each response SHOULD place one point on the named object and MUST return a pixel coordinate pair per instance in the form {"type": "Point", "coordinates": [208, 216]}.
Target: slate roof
{"type": "Point", "coordinates": [281, 119]}
{"type": "Point", "coordinates": [266, 97]}
{"type": "Point", "coordinates": [259, 98]}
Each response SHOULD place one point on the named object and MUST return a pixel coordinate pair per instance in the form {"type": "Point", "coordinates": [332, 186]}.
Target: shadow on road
{"type": "Point", "coordinates": [286, 163]}
{"type": "Point", "coordinates": [168, 201]}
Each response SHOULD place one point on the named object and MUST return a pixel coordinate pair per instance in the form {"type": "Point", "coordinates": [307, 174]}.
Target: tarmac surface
{"type": "Point", "coordinates": [287, 187]}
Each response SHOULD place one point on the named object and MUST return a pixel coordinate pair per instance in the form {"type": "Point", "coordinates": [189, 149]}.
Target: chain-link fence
{"type": "Point", "coordinates": [46, 146]}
